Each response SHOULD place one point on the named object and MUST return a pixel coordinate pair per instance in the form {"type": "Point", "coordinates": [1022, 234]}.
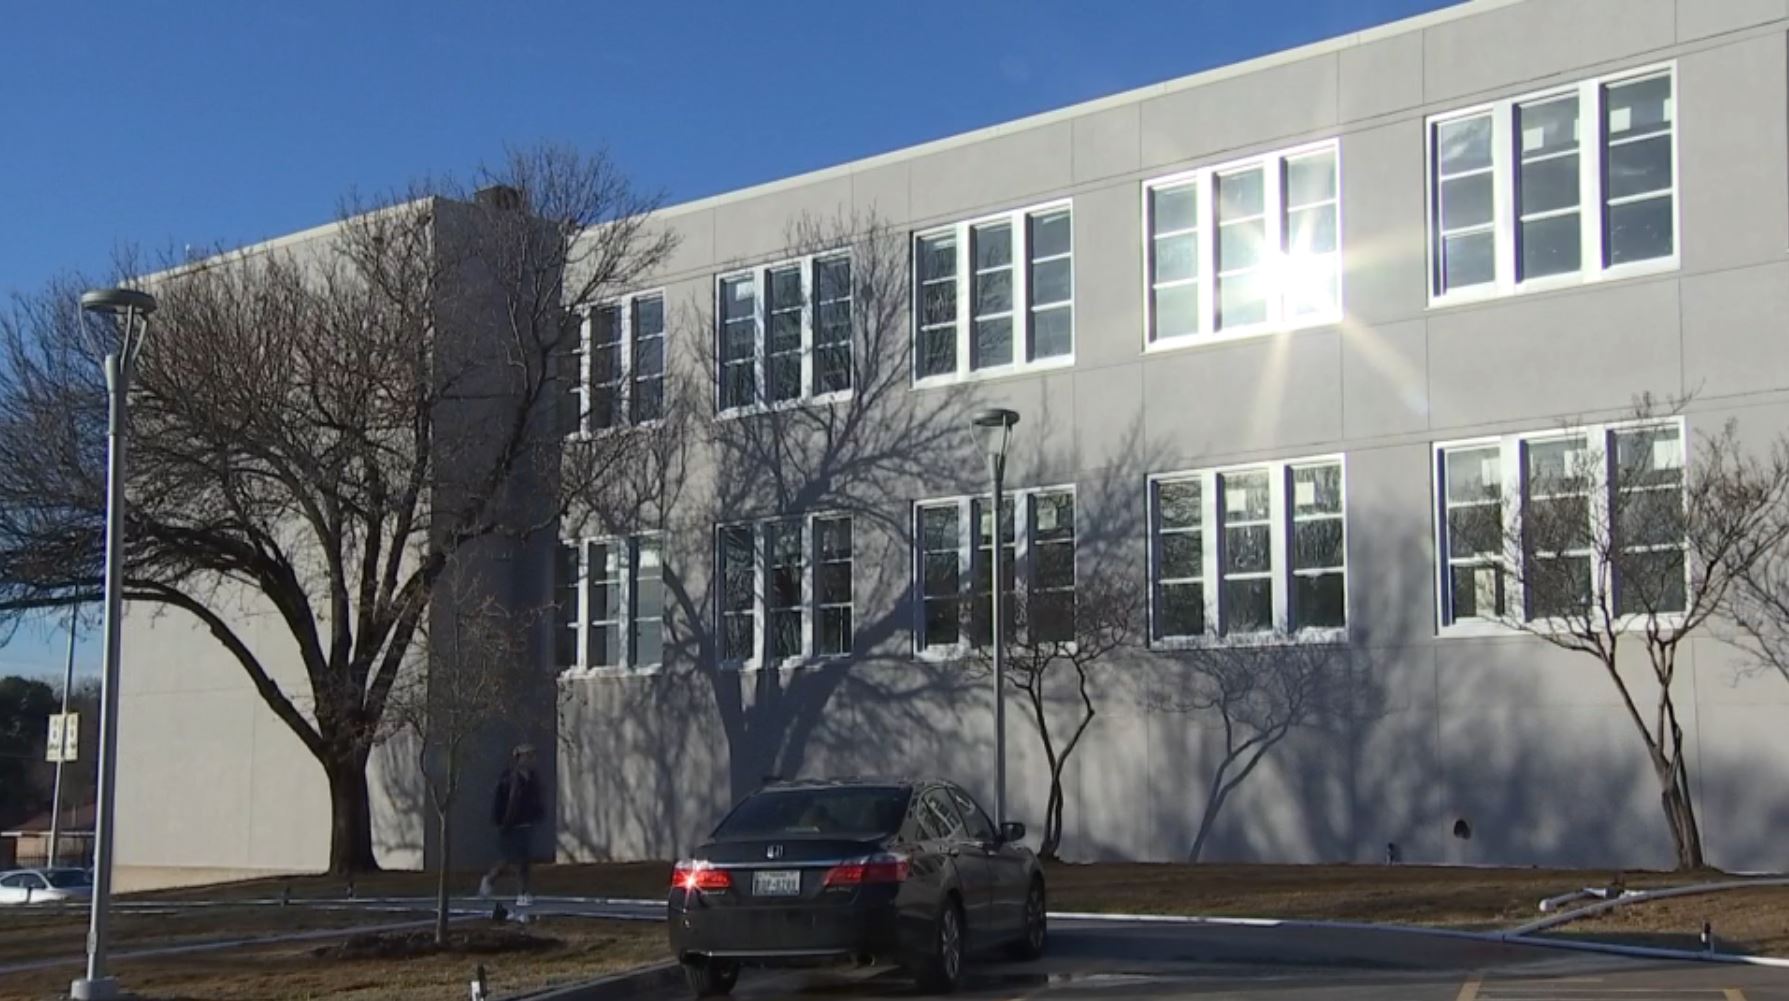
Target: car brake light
{"type": "Point", "coordinates": [876, 869]}
{"type": "Point", "coordinates": [700, 876]}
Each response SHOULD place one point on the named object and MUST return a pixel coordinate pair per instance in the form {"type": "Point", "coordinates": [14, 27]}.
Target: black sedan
{"type": "Point", "coordinates": [909, 872]}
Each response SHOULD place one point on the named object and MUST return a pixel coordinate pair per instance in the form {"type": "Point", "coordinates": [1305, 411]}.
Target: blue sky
{"type": "Point", "coordinates": [162, 124]}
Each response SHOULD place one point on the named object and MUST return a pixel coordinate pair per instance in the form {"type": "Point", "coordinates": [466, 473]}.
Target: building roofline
{"type": "Point", "coordinates": [1338, 43]}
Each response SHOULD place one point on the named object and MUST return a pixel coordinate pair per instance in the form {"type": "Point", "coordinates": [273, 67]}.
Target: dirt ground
{"type": "Point", "coordinates": [583, 949]}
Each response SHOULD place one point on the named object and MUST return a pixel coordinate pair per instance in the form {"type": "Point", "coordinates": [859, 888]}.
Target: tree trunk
{"type": "Point", "coordinates": [1686, 838]}
{"type": "Point", "coordinates": [444, 867]}
{"type": "Point", "coordinates": [1052, 839]}
{"type": "Point", "coordinates": [350, 821]}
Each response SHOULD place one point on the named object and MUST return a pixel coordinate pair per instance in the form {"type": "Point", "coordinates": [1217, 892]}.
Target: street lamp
{"type": "Point", "coordinates": [996, 425]}
{"type": "Point", "coordinates": [131, 309]}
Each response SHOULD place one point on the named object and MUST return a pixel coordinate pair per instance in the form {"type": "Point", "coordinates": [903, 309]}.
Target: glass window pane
{"type": "Point", "coordinates": [1241, 194]}
{"type": "Point", "coordinates": [1318, 602]}
{"type": "Point", "coordinates": [1177, 311]}
{"type": "Point", "coordinates": [937, 256]}
{"type": "Point", "coordinates": [1650, 583]}
{"type": "Point", "coordinates": [1051, 281]}
{"type": "Point", "coordinates": [1310, 179]}
{"type": "Point", "coordinates": [1183, 555]}
{"type": "Point", "coordinates": [1240, 245]}
{"type": "Point", "coordinates": [1317, 544]}
{"type": "Point", "coordinates": [1316, 490]}
{"type": "Point", "coordinates": [1640, 231]}
{"type": "Point", "coordinates": [1175, 208]}
{"type": "Point", "coordinates": [1556, 465]}
{"type": "Point", "coordinates": [1548, 185]}
{"type": "Point", "coordinates": [1474, 474]}
{"type": "Point", "coordinates": [938, 303]}
{"type": "Point", "coordinates": [1180, 503]}
{"type": "Point", "coordinates": [1050, 233]}
{"type": "Point", "coordinates": [941, 573]}
{"type": "Point", "coordinates": [1475, 530]}
{"type": "Point", "coordinates": [737, 299]}
{"type": "Point", "coordinates": [1639, 168]}
{"type": "Point", "coordinates": [835, 631]}
{"type": "Point", "coordinates": [938, 351]}
{"type": "Point", "coordinates": [782, 374]}
{"type": "Point", "coordinates": [1549, 126]}
{"type": "Point", "coordinates": [1468, 260]}
{"type": "Point", "coordinates": [1558, 585]}
{"type": "Point", "coordinates": [1242, 300]}
{"type": "Point", "coordinates": [649, 643]}
{"type": "Point", "coordinates": [1052, 332]}
{"type": "Point", "coordinates": [1247, 549]}
{"type": "Point", "coordinates": [1466, 202]}
{"type": "Point", "coordinates": [832, 278]}
{"type": "Point", "coordinates": [1176, 258]}
{"type": "Point", "coordinates": [942, 622]}
{"type": "Point", "coordinates": [1311, 231]}
{"type": "Point", "coordinates": [1248, 605]}
{"type": "Point", "coordinates": [1246, 496]}
{"type": "Point", "coordinates": [1649, 457]}
{"type": "Point", "coordinates": [1551, 246]}
{"type": "Point", "coordinates": [993, 292]}
{"type": "Point", "coordinates": [649, 316]}
{"type": "Point", "coordinates": [993, 245]}
{"type": "Point", "coordinates": [1182, 610]}
{"type": "Point", "coordinates": [992, 344]}
{"type": "Point", "coordinates": [1638, 108]}
{"type": "Point", "coordinates": [1650, 517]}
{"type": "Point", "coordinates": [1476, 591]}
{"type": "Point", "coordinates": [1464, 145]}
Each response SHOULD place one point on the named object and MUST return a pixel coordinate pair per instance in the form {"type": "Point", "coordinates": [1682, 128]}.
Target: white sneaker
{"type": "Point", "coordinates": [484, 888]}
{"type": "Point", "coordinates": [525, 900]}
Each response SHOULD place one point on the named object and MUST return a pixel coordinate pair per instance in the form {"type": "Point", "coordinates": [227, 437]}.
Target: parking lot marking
{"type": "Point", "coordinates": [1469, 990]}
{"type": "Point", "coordinates": [1734, 994]}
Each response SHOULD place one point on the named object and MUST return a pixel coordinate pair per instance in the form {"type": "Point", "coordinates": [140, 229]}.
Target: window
{"type": "Point", "coordinates": [995, 295]}
{"type": "Point", "coordinates": [1244, 248]}
{"type": "Point", "coordinates": [785, 332]}
{"type": "Point", "coordinates": [621, 363]}
{"type": "Point", "coordinates": [785, 589]}
{"type": "Point", "coordinates": [955, 556]}
{"type": "Point", "coordinates": [1256, 549]}
{"type": "Point", "coordinates": [609, 604]}
{"type": "Point", "coordinates": [975, 822]}
{"type": "Point", "coordinates": [1575, 488]}
{"type": "Point", "coordinates": [1566, 186]}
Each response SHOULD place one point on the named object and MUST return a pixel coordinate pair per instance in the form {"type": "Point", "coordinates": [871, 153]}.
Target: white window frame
{"type": "Point", "coordinates": [1512, 465]}
{"type": "Point", "coordinates": [810, 591]}
{"type": "Point", "coordinates": [760, 276]}
{"type": "Point", "coordinates": [1592, 202]}
{"type": "Point", "coordinates": [1281, 499]}
{"type": "Point", "coordinates": [1203, 179]}
{"type": "Point", "coordinates": [1022, 333]}
{"type": "Point", "coordinates": [964, 504]}
{"type": "Point", "coordinates": [624, 405]}
{"type": "Point", "coordinates": [630, 617]}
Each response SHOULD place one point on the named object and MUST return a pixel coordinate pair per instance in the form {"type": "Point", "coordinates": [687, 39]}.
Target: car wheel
{"type": "Point", "coordinates": [941, 969]}
{"type": "Point", "coordinates": [711, 978]}
{"type": "Point", "coordinates": [1031, 945]}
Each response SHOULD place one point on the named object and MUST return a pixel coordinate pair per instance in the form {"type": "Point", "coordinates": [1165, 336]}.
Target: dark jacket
{"type": "Point", "coordinates": [517, 799]}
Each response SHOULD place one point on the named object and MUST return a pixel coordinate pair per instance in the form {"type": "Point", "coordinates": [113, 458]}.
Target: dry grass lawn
{"type": "Point", "coordinates": [584, 948]}
{"type": "Point", "coordinates": [1753, 921]}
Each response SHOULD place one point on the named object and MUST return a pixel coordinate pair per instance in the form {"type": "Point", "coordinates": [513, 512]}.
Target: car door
{"type": "Point", "coordinates": [1008, 868]}
{"type": "Point", "coordinates": [13, 887]}
{"type": "Point", "coordinates": [939, 811]}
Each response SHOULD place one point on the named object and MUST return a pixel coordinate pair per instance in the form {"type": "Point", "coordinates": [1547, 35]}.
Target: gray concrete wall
{"type": "Point", "coordinates": [1526, 744]}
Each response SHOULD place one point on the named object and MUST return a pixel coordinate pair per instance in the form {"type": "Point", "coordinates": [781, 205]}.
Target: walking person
{"type": "Point", "coordinates": [515, 808]}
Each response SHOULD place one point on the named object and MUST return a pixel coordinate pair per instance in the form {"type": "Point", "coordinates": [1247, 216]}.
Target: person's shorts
{"type": "Point", "coordinates": [516, 844]}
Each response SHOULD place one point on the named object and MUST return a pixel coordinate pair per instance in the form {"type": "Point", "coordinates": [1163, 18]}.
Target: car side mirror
{"type": "Point", "coordinates": [1011, 831]}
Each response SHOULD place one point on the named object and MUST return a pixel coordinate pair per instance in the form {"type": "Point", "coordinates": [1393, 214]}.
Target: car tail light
{"type": "Point", "coordinates": [868, 871]}
{"type": "Point", "coordinates": [700, 876]}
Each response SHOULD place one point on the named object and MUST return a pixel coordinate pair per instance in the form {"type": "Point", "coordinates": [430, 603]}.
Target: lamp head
{"type": "Point", "coordinates": [118, 301]}
{"type": "Point", "coordinates": [996, 424]}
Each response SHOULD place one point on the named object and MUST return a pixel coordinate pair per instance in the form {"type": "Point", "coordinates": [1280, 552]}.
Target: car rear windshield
{"type": "Point", "coordinates": [847, 810]}
{"type": "Point", "coordinates": [63, 879]}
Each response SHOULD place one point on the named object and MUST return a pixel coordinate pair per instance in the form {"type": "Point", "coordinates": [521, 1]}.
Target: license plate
{"type": "Point", "coordinates": [776, 883]}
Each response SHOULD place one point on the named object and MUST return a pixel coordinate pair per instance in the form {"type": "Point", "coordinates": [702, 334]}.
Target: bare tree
{"type": "Point", "coordinates": [1758, 604]}
{"type": "Point", "coordinates": [1058, 642]}
{"type": "Point", "coordinates": [1258, 689]}
{"type": "Point", "coordinates": [321, 429]}
{"type": "Point", "coordinates": [471, 678]}
{"type": "Point", "coordinates": [1615, 540]}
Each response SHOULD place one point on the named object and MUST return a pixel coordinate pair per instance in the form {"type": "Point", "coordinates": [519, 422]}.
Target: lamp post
{"type": "Point", "coordinates": [996, 426]}
{"type": "Point", "coordinates": [131, 309]}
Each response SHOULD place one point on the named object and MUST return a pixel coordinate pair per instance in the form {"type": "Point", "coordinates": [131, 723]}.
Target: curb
{"type": "Point", "coordinates": [615, 987]}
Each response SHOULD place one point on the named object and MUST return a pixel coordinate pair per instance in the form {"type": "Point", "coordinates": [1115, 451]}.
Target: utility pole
{"type": "Point", "coordinates": [68, 682]}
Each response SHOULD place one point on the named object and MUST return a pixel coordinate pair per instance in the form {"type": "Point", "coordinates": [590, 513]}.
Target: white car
{"type": "Point", "coordinates": [41, 886]}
